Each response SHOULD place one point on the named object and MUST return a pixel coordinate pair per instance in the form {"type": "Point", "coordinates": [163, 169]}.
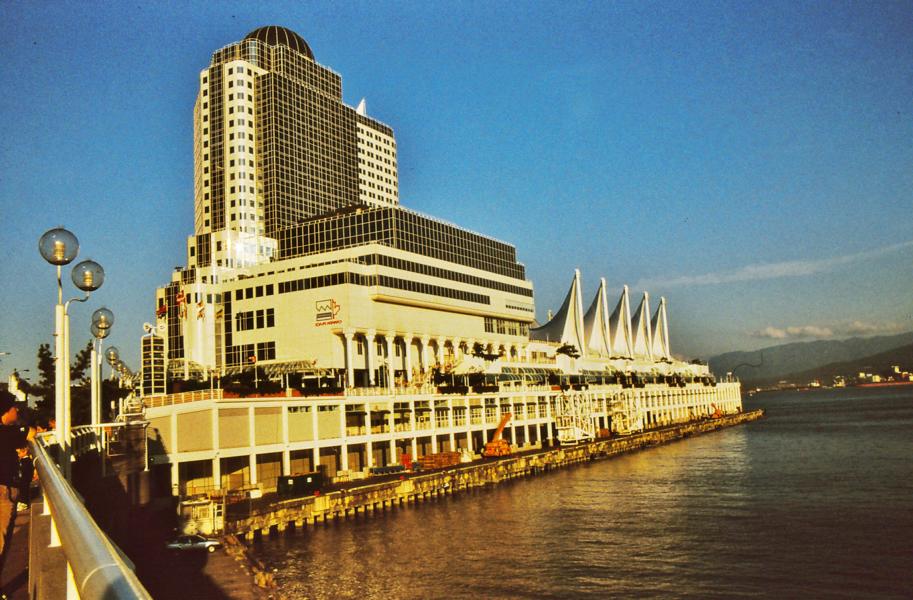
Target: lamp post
{"type": "Point", "coordinates": [59, 247]}
{"type": "Point", "coordinates": [102, 321]}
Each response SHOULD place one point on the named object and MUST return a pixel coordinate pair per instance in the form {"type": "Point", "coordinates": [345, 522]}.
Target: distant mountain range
{"type": "Point", "coordinates": [769, 365]}
{"type": "Point", "coordinates": [878, 363]}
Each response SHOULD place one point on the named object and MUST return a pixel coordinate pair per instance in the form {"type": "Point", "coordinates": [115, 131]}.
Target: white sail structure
{"type": "Point", "coordinates": [596, 323]}
{"type": "Point", "coordinates": [566, 327]}
{"type": "Point", "coordinates": [641, 338]}
{"type": "Point", "coordinates": [620, 328]}
{"type": "Point", "coordinates": [660, 333]}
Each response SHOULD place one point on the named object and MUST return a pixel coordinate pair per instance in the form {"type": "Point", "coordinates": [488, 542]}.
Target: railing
{"type": "Point", "coordinates": [169, 399]}
{"type": "Point", "coordinates": [95, 569]}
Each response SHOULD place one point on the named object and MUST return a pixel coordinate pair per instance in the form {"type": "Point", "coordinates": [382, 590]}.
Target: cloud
{"type": "Point", "coordinates": [852, 328]}
{"type": "Point", "coordinates": [794, 332]}
{"type": "Point", "coordinates": [863, 328]}
{"type": "Point", "coordinates": [758, 272]}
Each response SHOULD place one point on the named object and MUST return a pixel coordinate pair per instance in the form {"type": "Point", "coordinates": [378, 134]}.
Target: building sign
{"type": "Point", "coordinates": [326, 313]}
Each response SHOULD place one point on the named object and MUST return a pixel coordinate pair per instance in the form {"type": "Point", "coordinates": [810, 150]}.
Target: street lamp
{"type": "Point", "coordinates": [59, 247]}
{"type": "Point", "coordinates": [102, 321]}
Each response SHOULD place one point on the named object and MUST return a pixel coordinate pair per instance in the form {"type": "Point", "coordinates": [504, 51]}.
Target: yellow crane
{"type": "Point", "coordinates": [498, 446]}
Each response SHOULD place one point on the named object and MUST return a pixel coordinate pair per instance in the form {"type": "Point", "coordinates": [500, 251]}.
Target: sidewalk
{"type": "Point", "coordinates": [15, 576]}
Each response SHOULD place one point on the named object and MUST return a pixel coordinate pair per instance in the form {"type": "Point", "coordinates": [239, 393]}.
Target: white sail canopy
{"type": "Point", "coordinates": [641, 338]}
{"type": "Point", "coordinates": [660, 333]}
{"type": "Point", "coordinates": [566, 327]}
{"type": "Point", "coordinates": [620, 328]}
{"type": "Point", "coordinates": [595, 324]}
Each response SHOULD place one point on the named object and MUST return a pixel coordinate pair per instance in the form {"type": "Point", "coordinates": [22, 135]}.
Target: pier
{"type": "Point", "coordinates": [271, 515]}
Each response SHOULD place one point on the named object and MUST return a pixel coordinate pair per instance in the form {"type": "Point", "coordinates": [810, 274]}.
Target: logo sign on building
{"type": "Point", "coordinates": [326, 312]}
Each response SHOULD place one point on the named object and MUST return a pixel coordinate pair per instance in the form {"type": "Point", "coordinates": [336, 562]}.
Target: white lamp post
{"type": "Point", "coordinates": [59, 247]}
{"type": "Point", "coordinates": [102, 321]}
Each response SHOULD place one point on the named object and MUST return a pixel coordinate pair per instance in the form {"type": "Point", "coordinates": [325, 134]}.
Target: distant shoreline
{"type": "Point", "coordinates": [881, 384]}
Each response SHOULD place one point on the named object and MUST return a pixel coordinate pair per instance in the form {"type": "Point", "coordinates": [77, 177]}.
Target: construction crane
{"type": "Point", "coordinates": [498, 446]}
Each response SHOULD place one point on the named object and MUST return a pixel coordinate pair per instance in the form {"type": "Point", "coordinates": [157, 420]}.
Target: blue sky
{"type": "Point", "coordinates": [751, 162]}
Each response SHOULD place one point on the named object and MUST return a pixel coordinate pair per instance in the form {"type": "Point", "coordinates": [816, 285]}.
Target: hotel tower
{"type": "Point", "coordinates": [388, 331]}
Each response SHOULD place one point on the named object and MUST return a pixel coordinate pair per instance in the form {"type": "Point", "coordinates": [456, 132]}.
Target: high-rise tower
{"type": "Point", "coordinates": [301, 252]}
{"type": "Point", "coordinates": [274, 145]}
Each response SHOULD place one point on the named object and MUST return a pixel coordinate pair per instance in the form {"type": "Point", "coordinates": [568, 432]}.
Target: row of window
{"type": "Point", "coordinates": [404, 230]}
{"type": "Point", "coordinates": [414, 267]}
{"type": "Point", "coordinates": [257, 291]}
{"type": "Point", "coordinates": [249, 354]}
{"type": "Point", "coordinates": [528, 309]}
{"type": "Point", "coordinates": [255, 319]}
{"type": "Point", "coordinates": [505, 326]}
{"type": "Point", "coordinates": [347, 277]}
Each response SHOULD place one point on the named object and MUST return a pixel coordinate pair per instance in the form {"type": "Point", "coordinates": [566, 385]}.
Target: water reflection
{"type": "Point", "coordinates": [813, 501]}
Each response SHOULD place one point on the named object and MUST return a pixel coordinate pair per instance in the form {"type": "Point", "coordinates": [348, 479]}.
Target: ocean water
{"type": "Point", "coordinates": [813, 501]}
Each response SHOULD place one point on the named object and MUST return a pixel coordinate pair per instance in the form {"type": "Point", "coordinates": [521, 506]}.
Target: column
{"type": "Point", "coordinates": [450, 420]}
{"type": "Point", "coordinates": [391, 356]}
{"type": "Point", "coordinates": [176, 478]}
{"type": "Point", "coordinates": [371, 341]}
{"type": "Point", "coordinates": [407, 360]}
{"type": "Point", "coordinates": [526, 422]}
{"type": "Point", "coordinates": [286, 453]}
{"type": "Point", "coordinates": [394, 459]}
{"type": "Point", "coordinates": [216, 472]}
{"type": "Point", "coordinates": [369, 445]}
{"type": "Point", "coordinates": [412, 427]}
{"type": "Point", "coordinates": [253, 445]}
{"type": "Point", "coordinates": [433, 425]}
{"type": "Point", "coordinates": [216, 461]}
{"type": "Point", "coordinates": [457, 353]}
{"type": "Point", "coordinates": [468, 425]}
{"type": "Point", "coordinates": [548, 417]}
{"type": "Point", "coordinates": [315, 456]}
{"type": "Point", "coordinates": [426, 341]}
{"type": "Point", "coordinates": [350, 358]}
{"type": "Point", "coordinates": [344, 445]}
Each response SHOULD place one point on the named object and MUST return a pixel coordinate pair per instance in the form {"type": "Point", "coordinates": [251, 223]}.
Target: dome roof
{"type": "Point", "coordinates": [275, 35]}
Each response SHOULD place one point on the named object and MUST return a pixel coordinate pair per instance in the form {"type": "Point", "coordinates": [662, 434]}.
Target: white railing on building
{"type": "Point", "coordinates": [95, 567]}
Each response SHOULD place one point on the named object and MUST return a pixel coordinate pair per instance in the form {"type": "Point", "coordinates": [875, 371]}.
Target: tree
{"type": "Point", "coordinates": [46, 387]}
{"type": "Point", "coordinates": [81, 365]}
{"type": "Point", "coordinates": [569, 350]}
{"type": "Point", "coordinates": [479, 351]}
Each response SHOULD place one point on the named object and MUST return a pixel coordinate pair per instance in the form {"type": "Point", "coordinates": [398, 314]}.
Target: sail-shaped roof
{"type": "Point", "coordinates": [595, 324]}
{"type": "Point", "coordinates": [640, 335]}
{"type": "Point", "coordinates": [620, 328]}
{"type": "Point", "coordinates": [566, 327]}
{"type": "Point", "coordinates": [660, 333]}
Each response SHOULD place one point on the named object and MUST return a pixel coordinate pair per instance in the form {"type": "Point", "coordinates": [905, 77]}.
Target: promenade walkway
{"type": "Point", "coordinates": [15, 576]}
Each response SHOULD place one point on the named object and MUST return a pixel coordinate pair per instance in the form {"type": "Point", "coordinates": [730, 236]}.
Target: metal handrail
{"type": "Point", "coordinates": [99, 571]}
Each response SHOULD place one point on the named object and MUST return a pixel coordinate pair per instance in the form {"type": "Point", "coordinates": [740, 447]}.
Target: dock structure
{"type": "Point", "coordinates": [275, 515]}
{"type": "Point", "coordinates": [209, 445]}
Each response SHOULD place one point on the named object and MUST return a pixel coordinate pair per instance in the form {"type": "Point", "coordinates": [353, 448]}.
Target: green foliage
{"type": "Point", "coordinates": [569, 350]}
{"type": "Point", "coordinates": [479, 351]}
{"type": "Point", "coordinates": [46, 387]}
{"type": "Point", "coordinates": [80, 388]}
{"type": "Point", "coordinates": [245, 384]}
{"type": "Point", "coordinates": [80, 368]}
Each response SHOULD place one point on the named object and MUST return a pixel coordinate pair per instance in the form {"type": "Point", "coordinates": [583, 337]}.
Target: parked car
{"type": "Point", "coordinates": [193, 542]}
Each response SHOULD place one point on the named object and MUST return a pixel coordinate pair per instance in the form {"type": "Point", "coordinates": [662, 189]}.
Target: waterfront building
{"type": "Point", "coordinates": [391, 332]}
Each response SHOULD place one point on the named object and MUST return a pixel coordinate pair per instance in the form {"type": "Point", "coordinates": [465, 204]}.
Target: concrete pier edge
{"type": "Point", "coordinates": [360, 498]}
